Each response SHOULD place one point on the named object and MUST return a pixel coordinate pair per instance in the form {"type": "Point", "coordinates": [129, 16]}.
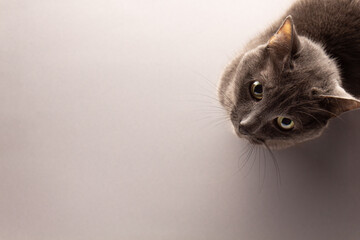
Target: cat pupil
{"type": "Point", "coordinates": [286, 121]}
{"type": "Point", "coordinates": [258, 89]}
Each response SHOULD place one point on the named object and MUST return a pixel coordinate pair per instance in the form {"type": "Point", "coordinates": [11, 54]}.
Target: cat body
{"type": "Point", "coordinates": [288, 82]}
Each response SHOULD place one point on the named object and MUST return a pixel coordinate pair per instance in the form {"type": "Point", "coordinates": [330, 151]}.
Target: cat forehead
{"type": "Point", "coordinates": [254, 56]}
{"type": "Point", "coordinates": [304, 74]}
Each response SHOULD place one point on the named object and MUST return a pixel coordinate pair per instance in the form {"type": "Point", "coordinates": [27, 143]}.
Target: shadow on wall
{"type": "Point", "coordinates": [321, 181]}
{"type": "Point", "coordinates": [336, 149]}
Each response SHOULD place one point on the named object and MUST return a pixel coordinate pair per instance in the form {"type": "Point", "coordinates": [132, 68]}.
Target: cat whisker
{"type": "Point", "coordinates": [259, 164]}
{"type": "Point", "coordinates": [226, 106]}
{"type": "Point", "coordinates": [215, 111]}
{"type": "Point", "coordinates": [248, 155]}
{"type": "Point", "coordinates": [214, 121]}
{"type": "Point", "coordinates": [276, 164]}
{"type": "Point", "coordinates": [210, 97]}
{"type": "Point", "coordinates": [256, 148]}
{"type": "Point", "coordinates": [303, 103]}
{"type": "Point", "coordinates": [211, 84]}
{"type": "Point", "coordinates": [213, 118]}
{"type": "Point", "coordinates": [264, 173]}
{"type": "Point", "coordinates": [312, 116]}
{"type": "Point", "coordinates": [220, 122]}
{"type": "Point", "coordinates": [331, 113]}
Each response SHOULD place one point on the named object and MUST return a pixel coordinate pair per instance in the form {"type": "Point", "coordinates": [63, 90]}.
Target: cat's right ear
{"type": "Point", "coordinates": [285, 43]}
{"type": "Point", "coordinates": [339, 102]}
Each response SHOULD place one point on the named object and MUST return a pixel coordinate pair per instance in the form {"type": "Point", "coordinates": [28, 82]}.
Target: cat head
{"type": "Point", "coordinates": [283, 92]}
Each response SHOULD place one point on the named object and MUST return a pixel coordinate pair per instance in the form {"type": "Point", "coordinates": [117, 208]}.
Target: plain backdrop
{"type": "Point", "coordinates": [110, 129]}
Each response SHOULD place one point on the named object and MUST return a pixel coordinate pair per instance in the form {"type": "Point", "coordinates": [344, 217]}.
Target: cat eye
{"type": "Point", "coordinates": [285, 123]}
{"type": "Point", "coordinates": [256, 90]}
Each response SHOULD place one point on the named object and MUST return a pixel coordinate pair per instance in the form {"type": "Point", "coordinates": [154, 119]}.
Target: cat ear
{"type": "Point", "coordinates": [340, 102]}
{"type": "Point", "coordinates": [285, 42]}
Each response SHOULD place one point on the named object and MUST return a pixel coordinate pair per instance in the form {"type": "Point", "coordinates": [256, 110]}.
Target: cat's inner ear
{"type": "Point", "coordinates": [285, 42]}
{"type": "Point", "coordinates": [339, 102]}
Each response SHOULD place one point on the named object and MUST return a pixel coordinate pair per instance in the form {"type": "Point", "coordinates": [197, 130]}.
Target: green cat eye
{"type": "Point", "coordinates": [256, 90]}
{"type": "Point", "coordinates": [285, 123]}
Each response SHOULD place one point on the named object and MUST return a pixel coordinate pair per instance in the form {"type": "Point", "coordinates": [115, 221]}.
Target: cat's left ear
{"type": "Point", "coordinates": [285, 43]}
{"type": "Point", "coordinates": [339, 102]}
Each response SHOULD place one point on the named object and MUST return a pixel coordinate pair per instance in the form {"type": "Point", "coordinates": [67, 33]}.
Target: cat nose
{"type": "Point", "coordinates": [243, 130]}
{"type": "Point", "coordinates": [248, 127]}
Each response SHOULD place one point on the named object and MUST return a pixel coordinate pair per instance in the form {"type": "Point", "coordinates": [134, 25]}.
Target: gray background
{"type": "Point", "coordinates": [109, 130]}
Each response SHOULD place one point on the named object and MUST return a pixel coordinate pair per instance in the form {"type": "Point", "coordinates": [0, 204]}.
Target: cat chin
{"type": "Point", "coordinates": [279, 144]}
{"type": "Point", "coordinates": [274, 144]}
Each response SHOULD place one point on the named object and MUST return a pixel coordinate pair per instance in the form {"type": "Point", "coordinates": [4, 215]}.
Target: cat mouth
{"type": "Point", "coordinates": [251, 139]}
{"type": "Point", "coordinates": [256, 141]}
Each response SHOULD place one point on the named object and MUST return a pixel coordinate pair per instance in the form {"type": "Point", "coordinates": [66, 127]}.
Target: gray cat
{"type": "Point", "coordinates": [288, 82]}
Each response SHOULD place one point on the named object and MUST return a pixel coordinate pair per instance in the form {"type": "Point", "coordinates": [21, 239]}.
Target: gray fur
{"type": "Point", "coordinates": [310, 81]}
